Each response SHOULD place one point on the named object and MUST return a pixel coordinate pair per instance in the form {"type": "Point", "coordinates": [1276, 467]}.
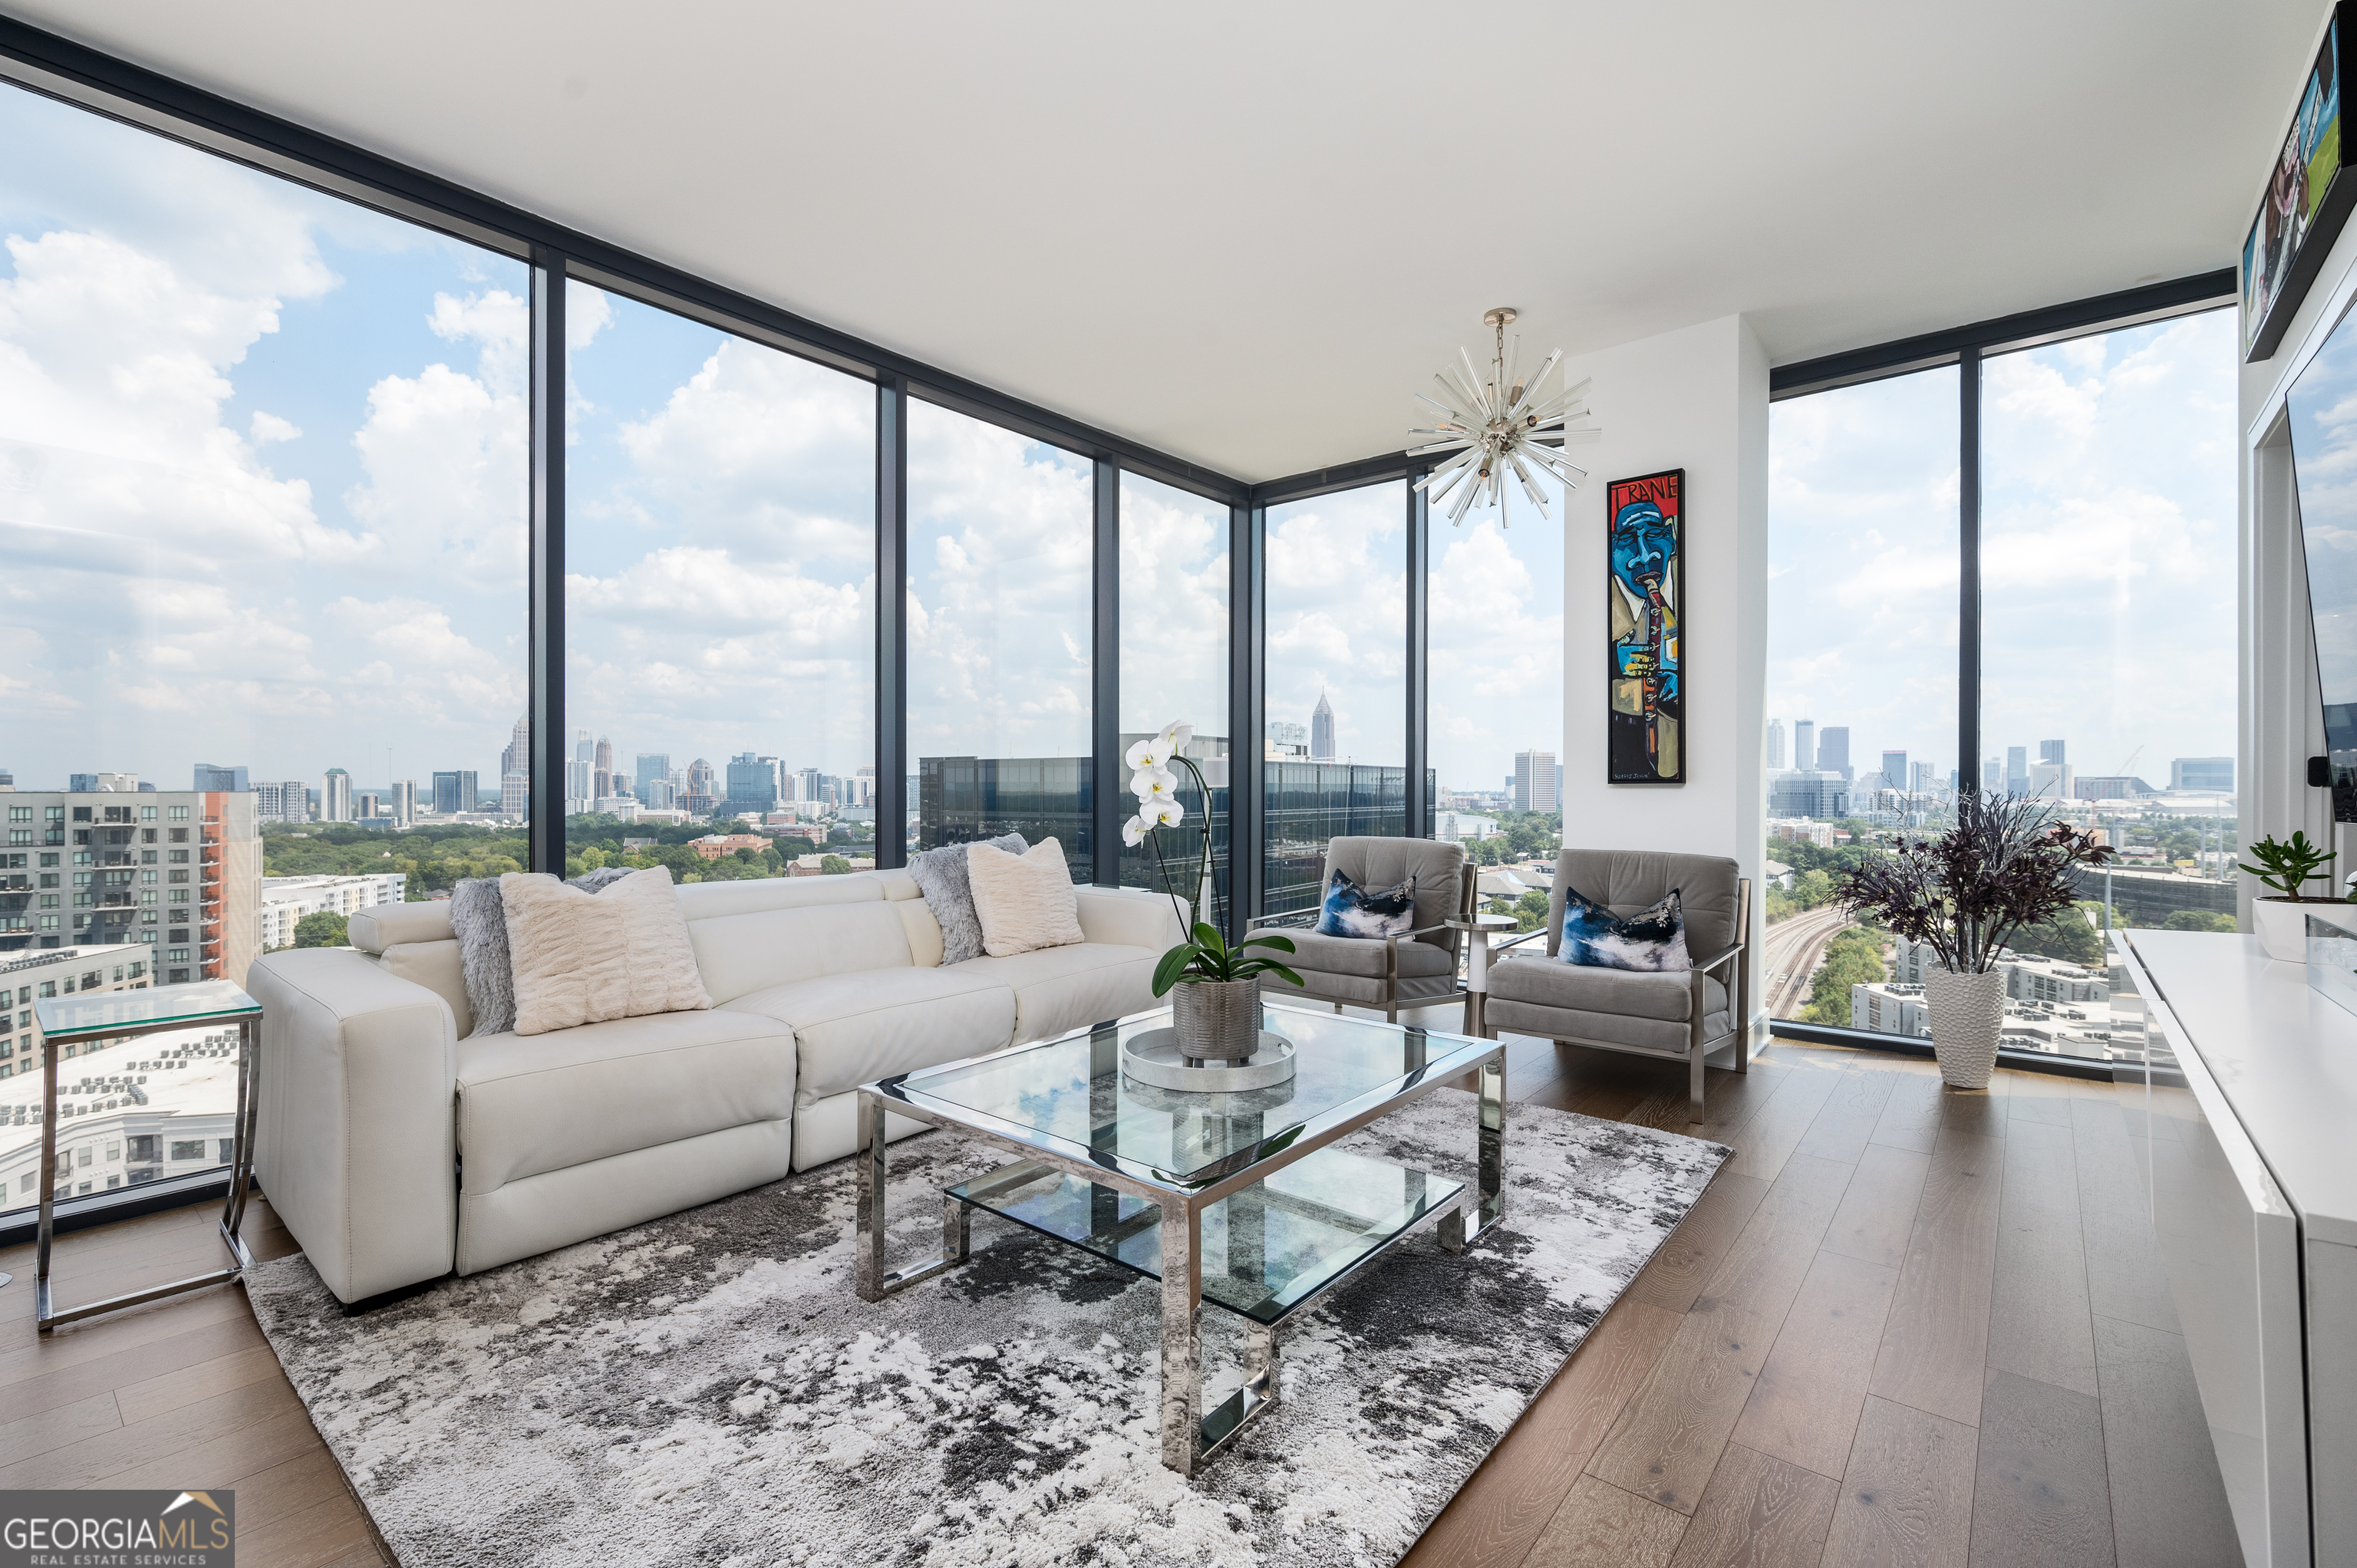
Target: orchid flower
{"type": "Point", "coordinates": [1152, 784]}
{"type": "Point", "coordinates": [1153, 751]}
{"type": "Point", "coordinates": [1163, 815]}
{"type": "Point", "coordinates": [1132, 831]}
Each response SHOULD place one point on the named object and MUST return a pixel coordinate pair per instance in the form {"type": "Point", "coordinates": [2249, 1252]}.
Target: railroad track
{"type": "Point", "coordinates": [1790, 955]}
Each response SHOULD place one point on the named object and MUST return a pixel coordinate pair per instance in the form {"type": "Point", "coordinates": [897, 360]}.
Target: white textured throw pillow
{"type": "Point", "coordinates": [584, 958]}
{"type": "Point", "coordinates": [1026, 901]}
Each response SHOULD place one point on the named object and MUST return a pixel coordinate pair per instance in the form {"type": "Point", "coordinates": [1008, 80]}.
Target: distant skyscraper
{"type": "Point", "coordinates": [211, 777]}
{"type": "Point", "coordinates": [1534, 781]}
{"type": "Point", "coordinates": [1804, 745]}
{"type": "Point", "coordinates": [454, 791]}
{"type": "Point", "coordinates": [700, 796]}
{"type": "Point", "coordinates": [1775, 748]}
{"type": "Point", "coordinates": [405, 803]}
{"type": "Point", "coordinates": [515, 794]}
{"type": "Point", "coordinates": [752, 783]}
{"type": "Point", "coordinates": [1993, 776]}
{"type": "Point", "coordinates": [601, 773]}
{"type": "Point", "coordinates": [2051, 751]}
{"type": "Point", "coordinates": [517, 757]}
{"type": "Point", "coordinates": [584, 747]}
{"type": "Point", "coordinates": [336, 796]}
{"type": "Point", "coordinates": [653, 768]}
{"type": "Point", "coordinates": [2017, 770]}
{"type": "Point", "coordinates": [1833, 751]}
{"type": "Point", "coordinates": [1894, 771]}
{"type": "Point", "coordinates": [1321, 731]}
{"type": "Point", "coordinates": [295, 801]}
{"type": "Point", "coordinates": [1920, 783]}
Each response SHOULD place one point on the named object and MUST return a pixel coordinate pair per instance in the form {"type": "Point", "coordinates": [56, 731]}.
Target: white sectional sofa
{"type": "Point", "coordinates": [398, 1145]}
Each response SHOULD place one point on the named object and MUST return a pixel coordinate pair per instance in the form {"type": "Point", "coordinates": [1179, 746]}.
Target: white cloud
{"type": "Point", "coordinates": [1337, 618]}
{"type": "Point", "coordinates": [266, 428]}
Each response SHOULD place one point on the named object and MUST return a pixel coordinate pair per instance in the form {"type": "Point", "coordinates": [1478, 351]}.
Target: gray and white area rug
{"type": "Point", "coordinates": [708, 1389]}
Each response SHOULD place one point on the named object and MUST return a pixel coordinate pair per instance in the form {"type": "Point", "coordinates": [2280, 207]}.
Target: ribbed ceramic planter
{"type": "Point", "coordinates": [1967, 1020]}
{"type": "Point", "coordinates": [1217, 1020]}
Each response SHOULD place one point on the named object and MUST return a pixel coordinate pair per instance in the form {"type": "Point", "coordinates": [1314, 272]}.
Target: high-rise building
{"type": "Point", "coordinates": [103, 783]}
{"type": "Point", "coordinates": [1534, 781]}
{"type": "Point", "coordinates": [1833, 751]}
{"type": "Point", "coordinates": [1321, 731]}
{"type": "Point", "coordinates": [1288, 741]}
{"type": "Point", "coordinates": [1804, 745]}
{"type": "Point", "coordinates": [810, 785]}
{"type": "Point", "coordinates": [654, 768]}
{"type": "Point", "coordinates": [215, 778]}
{"type": "Point", "coordinates": [577, 797]}
{"type": "Point", "coordinates": [1921, 782]}
{"type": "Point", "coordinates": [454, 791]}
{"type": "Point", "coordinates": [2051, 751]}
{"type": "Point", "coordinates": [1894, 771]}
{"type": "Point", "coordinates": [517, 757]}
{"type": "Point", "coordinates": [515, 795]}
{"type": "Point", "coordinates": [2209, 773]}
{"type": "Point", "coordinates": [405, 803]}
{"type": "Point", "coordinates": [2053, 781]}
{"type": "Point", "coordinates": [179, 871]}
{"type": "Point", "coordinates": [584, 745]}
{"type": "Point", "coordinates": [700, 797]}
{"type": "Point", "coordinates": [336, 796]}
{"type": "Point", "coordinates": [601, 771]}
{"type": "Point", "coordinates": [295, 800]}
{"type": "Point", "coordinates": [1775, 759]}
{"type": "Point", "coordinates": [754, 783]}
{"type": "Point", "coordinates": [1808, 793]}
{"type": "Point", "coordinates": [2017, 770]}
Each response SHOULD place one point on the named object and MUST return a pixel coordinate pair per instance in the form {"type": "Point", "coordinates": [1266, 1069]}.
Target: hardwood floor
{"type": "Point", "coordinates": [1903, 1326]}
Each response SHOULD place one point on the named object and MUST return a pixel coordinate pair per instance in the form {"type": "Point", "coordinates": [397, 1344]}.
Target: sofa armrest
{"type": "Point", "coordinates": [1131, 917]}
{"type": "Point", "coordinates": [357, 1144]}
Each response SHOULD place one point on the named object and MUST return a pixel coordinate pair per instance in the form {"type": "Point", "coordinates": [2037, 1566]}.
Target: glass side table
{"type": "Point", "coordinates": [1478, 929]}
{"type": "Point", "coordinates": [122, 1014]}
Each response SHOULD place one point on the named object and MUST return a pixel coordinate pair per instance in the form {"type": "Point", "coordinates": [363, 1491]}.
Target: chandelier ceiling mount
{"type": "Point", "coordinates": [1492, 424]}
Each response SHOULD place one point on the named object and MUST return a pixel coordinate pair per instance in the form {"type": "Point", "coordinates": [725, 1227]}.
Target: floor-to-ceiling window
{"type": "Point", "coordinates": [2104, 614]}
{"type": "Point", "coordinates": [263, 498]}
{"type": "Point", "coordinates": [1335, 687]}
{"type": "Point", "coordinates": [1000, 629]}
{"type": "Point", "coordinates": [720, 616]}
{"type": "Point", "coordinates": [1495, 708]}
{"type": "Point", "coordinates": [1174, 664]}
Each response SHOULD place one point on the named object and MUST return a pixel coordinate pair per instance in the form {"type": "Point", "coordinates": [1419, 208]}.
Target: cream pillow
{"type": "Point", "coordinates": [583, 958]}
{"type": "Point", "coordinates": [1025, 901]}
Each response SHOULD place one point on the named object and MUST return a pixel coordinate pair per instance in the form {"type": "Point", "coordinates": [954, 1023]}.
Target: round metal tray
{"type": "Point", "coordinates": [1152, 1057]}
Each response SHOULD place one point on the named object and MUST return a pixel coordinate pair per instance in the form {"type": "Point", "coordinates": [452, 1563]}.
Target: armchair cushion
{"type": "Point", "coordinates": [1635, 994]}
{"type": "Point", "coordinates": [1351, 911]}
{"type": "Point", "coordinates": [1364, 956]}
{"type": "Point", "coordinates": [1628, 881]}
{"type": "Point", "coordinates": [1438, 870]}
{"type": "Point", "coordinates": [1652, 940]}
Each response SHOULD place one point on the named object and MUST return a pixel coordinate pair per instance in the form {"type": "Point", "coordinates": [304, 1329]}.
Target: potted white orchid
{"type": "Point", "coordinates": [1217, 1009]}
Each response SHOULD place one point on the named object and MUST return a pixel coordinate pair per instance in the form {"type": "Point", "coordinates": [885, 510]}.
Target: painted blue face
{"type": "Point", "coordinates": [1643, 541]}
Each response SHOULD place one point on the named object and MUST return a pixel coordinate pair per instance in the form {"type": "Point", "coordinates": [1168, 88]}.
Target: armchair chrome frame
{"type": "Point", "coordinates": [1467, 899]}
{"type": "Point", "coordinates": [1738, 993]}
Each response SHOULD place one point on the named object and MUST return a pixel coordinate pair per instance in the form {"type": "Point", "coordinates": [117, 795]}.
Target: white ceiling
{"type": "Point", "coordinates": [1245, 234]}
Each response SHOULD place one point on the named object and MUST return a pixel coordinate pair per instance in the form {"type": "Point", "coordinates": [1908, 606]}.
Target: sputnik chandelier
{"type": "Point", "coordinates": [1499, 423]}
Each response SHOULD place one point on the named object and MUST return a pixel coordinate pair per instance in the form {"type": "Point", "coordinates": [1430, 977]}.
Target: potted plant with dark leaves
{"type": "Point", "coordinates": [2004, 866]}
{"type": "Point", "coordinates": [2286, 866]}
{"type": "Point", "coordinates": [1216, 1011]}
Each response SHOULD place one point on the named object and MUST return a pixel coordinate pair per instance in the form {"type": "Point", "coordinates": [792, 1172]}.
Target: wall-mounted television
{"type": "Point", "coordinates": [2323, 409]}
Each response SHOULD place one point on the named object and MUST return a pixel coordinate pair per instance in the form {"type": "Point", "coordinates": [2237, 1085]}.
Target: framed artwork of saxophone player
{"type": "Point", "coordinates": [1646, 588]}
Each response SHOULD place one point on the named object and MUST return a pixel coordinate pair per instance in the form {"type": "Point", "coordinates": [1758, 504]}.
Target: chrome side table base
{"type": "Point", "coordinates": [1190, 1437]}
{"type": "Point", "coordinates": [1478, 930]}
{"type": "Point", "coordinates": [47, 1315]}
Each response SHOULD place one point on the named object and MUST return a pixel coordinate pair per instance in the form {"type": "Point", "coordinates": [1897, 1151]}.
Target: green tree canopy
{"type": "Point", "coordinates": [323, 930]}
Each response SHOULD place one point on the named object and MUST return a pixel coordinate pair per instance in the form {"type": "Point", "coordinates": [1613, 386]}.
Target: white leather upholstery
{"type": "Point", "coordinates": [1133, 918]}
{"type": "Point", "coordinates": [828, 1129]}
{"type": "Point", "coordinates": [1059, 990]}
{"type": "Point", "coordinates": [924, 933]}
{"type": "Point", "coordinates": [854, 1028]}
{"type": "Point", "coordinates": [355, 1141]}
{"type": "Point", "coordinates": [438, 967]}
{"type": "Point", "coordinates": [382, 925]}
{"type": "Point", "coordinates": [742, 954]}
{"type": "Point", "coordinates": [533, 1103]}
{"type": "Point", "coordinates": [709, 901]}
{"type": "Point", "coordinates": [562, 1206]}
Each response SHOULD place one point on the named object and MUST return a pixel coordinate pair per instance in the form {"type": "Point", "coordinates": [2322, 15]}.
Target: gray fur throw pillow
{"type": "Point", "coordinates": [479, 917]}
{"type": "Point", "coordinates": [941, 876]}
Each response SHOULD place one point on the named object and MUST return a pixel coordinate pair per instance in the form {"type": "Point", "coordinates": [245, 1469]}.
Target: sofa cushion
{"type": "Point", "coordinates": [851, 1029]}
{"type": "Point", "coordinates": [528, 1104]}
{"type": "Point", "coordinates": [1059, 990]}
{"type": "Point", "coordinates": [941, 875]}
{"type": "Point", "coordinates": [584, 958]}
{"type": "Point", "coordinates": [1635, 993]}
{"type": "Point", "coordinates": [1361, 956]}
{"type": "Point", "coordinates": [1026, 901]}
{"type": "Point", "coordinates": [1355, 990]}
{"type": "Point", "coordinates": [740, 954]}
{"type": "Point", "coordinates": [438, 967]}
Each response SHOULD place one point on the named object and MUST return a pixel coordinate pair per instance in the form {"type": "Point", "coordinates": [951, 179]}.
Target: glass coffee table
{"type": "Point", "coordinates": [1233, 1199]}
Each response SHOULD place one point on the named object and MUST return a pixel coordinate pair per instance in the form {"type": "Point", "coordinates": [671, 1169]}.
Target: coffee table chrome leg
{"type": "Point", "coordinates": [869, 1276]}
{"type": "Point", "coordinates": [1182, 1345]}
{"type": "Point", "coordinates": [1456, 1232]}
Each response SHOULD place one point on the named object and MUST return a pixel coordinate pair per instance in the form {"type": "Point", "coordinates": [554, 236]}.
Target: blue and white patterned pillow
{"type": "Point", "coordinates": [1652, 939]}
{"type": "Point", "coordinates": [1351, 910]}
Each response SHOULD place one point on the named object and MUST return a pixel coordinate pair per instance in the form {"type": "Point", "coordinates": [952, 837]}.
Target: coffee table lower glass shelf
{"type": "Point", "coordinates": [1272, 1248]}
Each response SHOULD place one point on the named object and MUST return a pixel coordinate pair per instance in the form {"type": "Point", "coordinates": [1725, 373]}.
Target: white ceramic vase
{"type": "Point", "coordinates": [2281, 924]}
{"type": "Point", "coordinates": [1967, 1020]}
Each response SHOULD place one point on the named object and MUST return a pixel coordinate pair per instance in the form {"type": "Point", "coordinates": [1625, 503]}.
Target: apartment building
{"type": "Point", "coordinates": [67, 972]}
{"type": "Point", "coordinates": [284, 900]}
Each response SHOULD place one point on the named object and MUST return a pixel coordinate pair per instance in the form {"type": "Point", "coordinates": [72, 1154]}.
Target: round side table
{"type": "Point", "coordinates": [1479, 930]}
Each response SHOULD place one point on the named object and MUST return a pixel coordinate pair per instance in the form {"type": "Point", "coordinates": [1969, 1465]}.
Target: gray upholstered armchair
{"type": "Point", "coordinates": [1415, 969]}
{"type": "Point", "coordinates": [1666, 1015]}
